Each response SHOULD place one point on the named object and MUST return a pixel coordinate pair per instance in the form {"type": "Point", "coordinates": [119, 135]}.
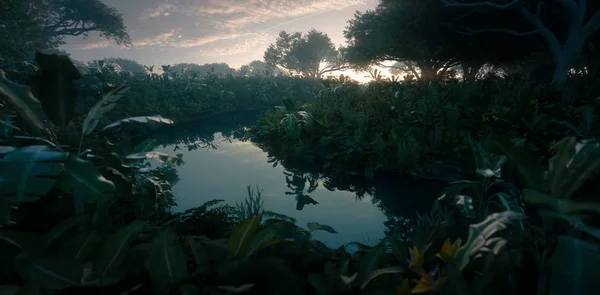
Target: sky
{"type": "Point", "coordinates": [205, 31]}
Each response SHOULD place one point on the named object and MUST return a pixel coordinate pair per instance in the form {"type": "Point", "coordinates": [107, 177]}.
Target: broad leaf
{"type": "Point", "coordinates": [240, 289]}
{"type": "Point", "coordinates": [573, 165]}
{"type": "Point", "coordinates": [107, 103]}
{"type": "Point", "coordinates": [54, 87]}
{"type": "Point", "coordinates": [314, 226]}
{"type": "Point", "coordinates": [378, 272]}
{"type": "Point", "coordinates": [59, 229]}
{"type": "Point", "coordinates": [23, 100]}
{"type": "Point", "coordinates": [116, 247]}
{"type": "Point", "coordinates": [82, 246]}
{"type": "Point", "coordinates": [145, 146]}
{"type": "Point", "coordinates": [30, 171]}
{"type": "Point", "coordinates": [530, 170]}
{"type": "Point", "coordinates": [369, 263]}
{"type": "Point", "coordinates": [30, 243]}
{"type": "Point", "coordinates": [167, 262]}
{"type": "Point", "coordinates": [52, 272]}
{"type": "Point", "coordinates": [263, 238]}
{"type": "Point", "coordinates": [143, 119]}
{"type": "Point", "coordinates": [84, 180]}
{"type": "Point", "coordinates": [480, 233]}
{"type": "Point", "coordinates": [242, 234]}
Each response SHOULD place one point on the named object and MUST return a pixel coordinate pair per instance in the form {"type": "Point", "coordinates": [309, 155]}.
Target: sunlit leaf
{"type": "Point", "coordinates": [142, 119]}
{"type": "Point", "coordinates": [107, 103]}
{"type": "Point", "coordinates": [481, 232]}
{"type": "Point", "coordinates": [314, 226]}
{"type": "Point", "coordinates": [167, 262]}
{"type": "Point", "coordinates": [242, 234]}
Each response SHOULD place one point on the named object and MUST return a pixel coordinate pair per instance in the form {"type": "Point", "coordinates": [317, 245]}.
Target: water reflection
{"type": "Point", "coordinates": [220, 163]}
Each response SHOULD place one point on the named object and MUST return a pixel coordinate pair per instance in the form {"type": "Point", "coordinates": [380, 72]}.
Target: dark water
{"type": "Point", "coordinates": [220, 165]}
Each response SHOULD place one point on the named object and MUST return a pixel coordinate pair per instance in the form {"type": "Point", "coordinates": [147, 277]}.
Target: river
{"type": "Point", "coordinates": [219, 164]}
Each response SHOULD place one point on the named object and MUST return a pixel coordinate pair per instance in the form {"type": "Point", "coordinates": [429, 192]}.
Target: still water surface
{"type": "Point", "coordinates": [225, 170]}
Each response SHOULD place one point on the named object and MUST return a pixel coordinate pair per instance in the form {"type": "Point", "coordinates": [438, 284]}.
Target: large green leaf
{"type": "Point", "coordinates": [30, 243]}
{"type": "Point", "coordinates": [369, 263]}
{"type": "Point", "coordinates": [482, 233]}
{"type": "Point", "coordinates": [84, 180]}
{"type": "Point", "coordinates": [51, 272]}
{"type": "Point", "coordinates": [263, 238]}
{"type": "Point", "coordinates": [23, 100]}
{"type": "Point", "coordinates": [242, 234]}
{"type": "Point", "coordinates": [142, 119]}
{"type": "Point", "coordinates": [54, 87]}
{"type": "Point", "coordinates": [30, 171]}
{"type": "Point", "coordinates": [59, 229]}
{"type": "Point", "coordinates": [107, 103]}
{"type": "Point", "coordinates": [82, 246]}
{"type": "Point", "coordinates": [465, 205]}
{"type": "Point", "coordinates": [115, 248]}
{"type": "Point", "coordinates": [145, 146]}
{"type": "Point", "coordinates": [528, 168]}
{"type": "Point", "coordinates": [560, 208]}
{"type": "Point", "coordinates": [378, 272]}
{"type": "Point", "coordinates": [167, 262]}
{"type": "Point", "coordinates": [574, 163]}
{"type": "Point", "coordinates": [314, 226]}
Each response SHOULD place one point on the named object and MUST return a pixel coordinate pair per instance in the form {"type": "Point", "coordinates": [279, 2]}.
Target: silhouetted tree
{"type": "Point", "coordinates": [311, 55]}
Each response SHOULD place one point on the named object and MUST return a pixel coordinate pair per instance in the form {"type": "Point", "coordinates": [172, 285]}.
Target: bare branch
{"type": "Point", "coordinates": [488, 4]}
{"type": "Point", "coordinates": [552, 40]}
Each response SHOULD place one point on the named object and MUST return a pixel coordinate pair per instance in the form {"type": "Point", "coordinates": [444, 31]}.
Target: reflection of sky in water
{"type": "Point", "coordinates": [225, 172]}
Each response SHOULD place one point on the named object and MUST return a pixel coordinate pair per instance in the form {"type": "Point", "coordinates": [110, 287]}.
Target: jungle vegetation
{"type": "Point", "coordinates": [513, 107]}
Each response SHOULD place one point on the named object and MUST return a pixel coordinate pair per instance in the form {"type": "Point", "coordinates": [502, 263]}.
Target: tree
{"type": "Point", "coordinates": [195, 70]}
{"type": "Point", "coordinates": [38, 25]}
{"type": "Point", "coordinates": [259, 68]}
{"type": "Point", "coordinates": [127, 65]}
{"type": "Point", "coordinates": [311, 55]}
{"type": "Point", "coordinates": [423, 38]}
{"type": "Point", "coordinates": [547, 20]}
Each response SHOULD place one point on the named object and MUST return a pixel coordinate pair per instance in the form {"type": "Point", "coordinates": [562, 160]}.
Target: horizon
{"type": "Point", "coordinates": [168, 32]}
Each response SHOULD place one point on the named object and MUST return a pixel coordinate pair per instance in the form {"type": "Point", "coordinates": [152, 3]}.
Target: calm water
{"type": "Point", "coordinates": [224, 170]}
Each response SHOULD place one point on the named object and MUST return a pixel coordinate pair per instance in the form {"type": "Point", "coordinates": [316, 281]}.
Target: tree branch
{"type": "Point", "coordinates": [593, 24]}
{"type": "Point", "coordinates": [552, 40]}
{"type": "Point", "coordinates": [487, 4]}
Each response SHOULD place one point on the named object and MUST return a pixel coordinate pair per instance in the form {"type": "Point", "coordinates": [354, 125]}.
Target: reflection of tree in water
{"type": "Point", "coordinates": [296, 181]}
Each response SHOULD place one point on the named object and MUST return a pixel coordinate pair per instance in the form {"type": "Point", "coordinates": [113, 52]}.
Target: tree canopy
{"type": "Point", "coordinates": [27, 26]}
{"type": "Point", "coordinates": [428, 38]}
{"type": "Point", "coordinates": [259, 68]}
{"type": "Point", "coordinates": [310, 55]}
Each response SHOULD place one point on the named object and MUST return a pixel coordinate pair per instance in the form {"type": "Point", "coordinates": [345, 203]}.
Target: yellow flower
{"type": "Point", "coordinates": [449, 250]}
{"type": "Point", "coordinates": [403, 289]}
{"type": "Point", "coordinates": [427, 282]}
{"type": "Point", "coordinates": [416, 258]}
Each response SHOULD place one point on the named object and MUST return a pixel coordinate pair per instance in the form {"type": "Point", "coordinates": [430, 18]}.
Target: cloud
{"type": "Point", "coordinates": [250, 42]}
{"type": "Point", "coordinates": [95, 45]}
{"type": "Point", "coordinates": [236, 14]}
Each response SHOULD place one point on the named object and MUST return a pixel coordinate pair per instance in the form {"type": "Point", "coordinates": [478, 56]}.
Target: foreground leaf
{"type": "Point", "coordinates": [107, 103]}
{"type": "Point", "coordinates": [116, 247]}
{"type": "Point", "coordinates": [30, 171]}
{"type": "Point", "coordinates": [242, 234]}
{"type": "Point", "coordinates": [314, 226]}
{"type": "Point", "coordinates": [52, 272]}
{"type": "Point", "coordinates": [167, 262]}
{"type": "Point", "coordinates": [23, 100]}
{"type": "Point", "coordinates": [85, 181]}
